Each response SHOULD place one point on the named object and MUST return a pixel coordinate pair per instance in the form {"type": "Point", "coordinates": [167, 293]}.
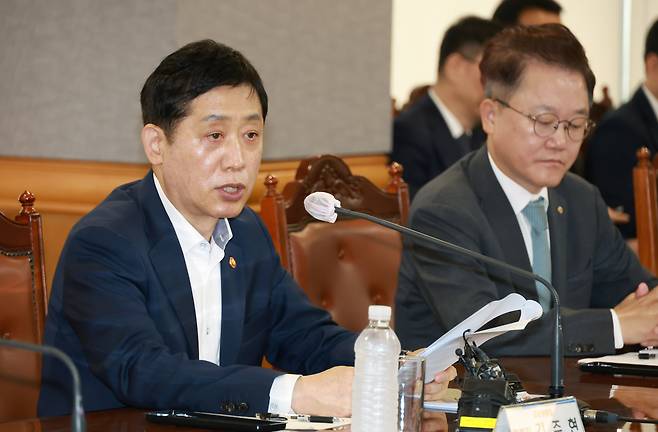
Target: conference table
{"type": "Point", "coordinates": [624, 395]}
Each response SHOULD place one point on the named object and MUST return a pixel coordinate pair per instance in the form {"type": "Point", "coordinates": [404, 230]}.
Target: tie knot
{"type": "Point", "coordinates": [535, 212]}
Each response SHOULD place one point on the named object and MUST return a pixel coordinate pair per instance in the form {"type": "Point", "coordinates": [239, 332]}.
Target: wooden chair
{"type": "Point", "coordinates": [415, 94]}
{"type": "Point", "coordinates": [22, 309]}
{"type": "Point", "coordinates": [346, 266]}
{"type": "Point", "coordinates": [646, 210]}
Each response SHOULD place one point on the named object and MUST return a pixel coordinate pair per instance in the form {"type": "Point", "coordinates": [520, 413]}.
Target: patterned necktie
{"type": "Point", "coordinates": [535, 214]}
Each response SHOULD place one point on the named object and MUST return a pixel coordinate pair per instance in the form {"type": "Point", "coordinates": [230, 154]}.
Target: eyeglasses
{"type": "Point", "coordinates": [546, 124]}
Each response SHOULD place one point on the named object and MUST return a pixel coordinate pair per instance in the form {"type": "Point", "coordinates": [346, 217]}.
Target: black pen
{"type": "Point", "coordinates": [313, 418]}
{"type": "Point", "coordinates": [321, 419]}
{"type": "Point", "coordinates": [300, 417]}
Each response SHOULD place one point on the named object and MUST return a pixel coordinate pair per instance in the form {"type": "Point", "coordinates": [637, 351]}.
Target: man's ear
{"type": "Point", "coordinates": [452, 67]}
{"type": "Point", "coordinates": [153, 141]}
{"type": "Point", "coordinates": [488, 114]}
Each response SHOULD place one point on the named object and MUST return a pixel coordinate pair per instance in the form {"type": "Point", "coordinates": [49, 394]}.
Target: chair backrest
{"type": "Point", "coordinates": [346, 266]}
{"type": "Point", "coordinates": [646, 210]}
{"type": "Point", "coordinates": [22, 309]}
{"type": "Point", "coordinates": [602, 106]}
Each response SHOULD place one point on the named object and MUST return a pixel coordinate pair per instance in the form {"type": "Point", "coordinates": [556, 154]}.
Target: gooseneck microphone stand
{"type": "Point", "coordinates": [556, 388]}
{"type": "Point", "coordinates": [77, 413]}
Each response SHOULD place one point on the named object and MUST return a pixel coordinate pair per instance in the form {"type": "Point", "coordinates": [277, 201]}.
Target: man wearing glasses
{"type": "Point", "coordinates": [514, 200]}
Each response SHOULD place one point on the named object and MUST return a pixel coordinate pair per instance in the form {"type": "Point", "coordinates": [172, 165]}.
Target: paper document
{"type": "Point", "coordinates": [631, 358]}
{"type": "Point", "coordinates": [441, 353]}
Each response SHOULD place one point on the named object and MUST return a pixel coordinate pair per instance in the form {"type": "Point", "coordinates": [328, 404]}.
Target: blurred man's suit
{"type": "Point", "coordinates": [423, 144]}
{"type": "Point", "coordinates": [611, 153]}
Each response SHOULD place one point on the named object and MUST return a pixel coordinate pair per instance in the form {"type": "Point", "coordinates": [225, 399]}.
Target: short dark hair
{"type": "Point", "coordinates": [508, 11]}
{"type": "Point", "coordinates": [191, 71]}
{"type": "Point", "coordinates": [651, 44]}
{"type": "Point", "coordinates": [508, 53]}
{"type": "Point", "coordinates": [467, 37]}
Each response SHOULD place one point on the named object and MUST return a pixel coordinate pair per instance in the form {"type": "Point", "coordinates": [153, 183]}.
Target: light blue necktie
{"type": "Point", "coordinates": [535, 214]}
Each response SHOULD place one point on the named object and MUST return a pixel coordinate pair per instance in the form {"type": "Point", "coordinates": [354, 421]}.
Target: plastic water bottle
{"type": "Point", "coordinates": [375, 387]}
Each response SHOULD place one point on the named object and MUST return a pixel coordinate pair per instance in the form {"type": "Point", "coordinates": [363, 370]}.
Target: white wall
{"type": "Point", "coordinates": [418, 26]}
{"type": "Point", "coordinates": [644, 13]}
{"type": "Point", "coordinates": [417, 30]}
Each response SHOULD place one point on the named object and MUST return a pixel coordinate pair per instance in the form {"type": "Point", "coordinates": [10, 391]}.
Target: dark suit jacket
{"type": "Point", "coordinates": [611, 153]}
{"type": "Point", "coordinates": [592, 269]}
{"type": "Point", "coordinates": [422, 143]}
{"type": "Point", "coordinates": [122, 308]}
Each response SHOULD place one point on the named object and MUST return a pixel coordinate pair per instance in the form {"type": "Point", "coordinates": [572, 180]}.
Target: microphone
{"type": "Point", "coordinates": [78, 415]}
{"type": "Point", "coordinates": [323, 206]}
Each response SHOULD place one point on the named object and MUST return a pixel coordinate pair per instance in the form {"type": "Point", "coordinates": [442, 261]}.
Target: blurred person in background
{"type": "Point", "coordinates": [611, 154]}
{"type": "Point", "coordinates": [527, 12]}
{"type": "Point", "coordinates": [443, 125]}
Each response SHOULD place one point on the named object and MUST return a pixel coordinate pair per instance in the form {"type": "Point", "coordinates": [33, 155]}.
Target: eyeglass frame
{"type": "Point", "coordinates": [589, 123]}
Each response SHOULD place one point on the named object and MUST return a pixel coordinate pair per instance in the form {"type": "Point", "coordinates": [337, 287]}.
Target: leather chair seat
{"type": "Point", "coordinates": [347, 267]}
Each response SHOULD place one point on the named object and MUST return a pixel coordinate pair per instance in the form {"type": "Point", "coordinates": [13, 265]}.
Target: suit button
{"type": "Point", "coordinates": [577, 348]}
{"type": "Point", "coordinates": [230, 407]}
{"type": "Point", "coordinates": [243, 406]}
{"type": "Point", "coordinates": [589, 348]}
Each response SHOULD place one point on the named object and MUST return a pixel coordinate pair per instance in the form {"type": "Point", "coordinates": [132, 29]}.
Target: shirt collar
{"type": "Point", "coordinates": [652, 100]}
{"type": "Point", "coordinates": [516, 194]}
{"type": "Point", "coordinates": [456, 128]}
{"type": "Point", "coordinates": [188, 236]}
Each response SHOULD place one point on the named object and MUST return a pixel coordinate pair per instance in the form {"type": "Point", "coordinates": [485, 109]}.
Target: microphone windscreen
{"type": "Point", "coordinates": [322, 206]}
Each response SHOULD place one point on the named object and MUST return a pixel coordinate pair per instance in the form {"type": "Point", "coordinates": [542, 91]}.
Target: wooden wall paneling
{"type": "Point", "coordinates": [67, 190]}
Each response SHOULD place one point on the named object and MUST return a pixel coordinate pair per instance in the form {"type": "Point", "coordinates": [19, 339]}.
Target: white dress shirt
{"type": "Point", "coordinates": [518, 198]}
{"type": "Point", "coordinates": [202, 259]}
{"type": "Point", "coordinates": [456, 129]}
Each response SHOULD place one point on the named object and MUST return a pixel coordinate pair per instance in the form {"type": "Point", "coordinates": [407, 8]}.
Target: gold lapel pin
{"type": "Point", "coordinates": [232, 262]}
{"type": "Point", "coordinates": [560, 209]}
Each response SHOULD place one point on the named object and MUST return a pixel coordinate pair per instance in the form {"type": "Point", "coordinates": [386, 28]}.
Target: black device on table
{"type": "Point", "coordinates": [485, 388]}
{"type": "Point", "coordinates": [619, 368]}
{"type": "Point", "coordinates": [208, 420]}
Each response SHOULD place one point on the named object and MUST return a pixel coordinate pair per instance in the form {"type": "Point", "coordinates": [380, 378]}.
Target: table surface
{"type": "Point", "coordinates": [631, 393]}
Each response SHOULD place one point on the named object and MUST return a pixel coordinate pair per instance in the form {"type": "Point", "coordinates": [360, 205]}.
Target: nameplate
{"type": "Point", "coordinates": [551, 415]}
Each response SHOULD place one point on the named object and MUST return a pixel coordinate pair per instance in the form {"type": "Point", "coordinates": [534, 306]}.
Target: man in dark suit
{"type": "Point", "coordinates": [527, 12]}
{"type": "Point", "coordinates": [515, 201]}
{"type": "Point", "coordinates": [442, 126]}
{"type": "Point", "coordinates": [611, 153]}
{"type": "Point", "coordinates": [169, 293]}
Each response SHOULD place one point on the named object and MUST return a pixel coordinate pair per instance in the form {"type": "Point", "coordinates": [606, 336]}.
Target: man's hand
{"type": "Point", "coordinates": [327, 393]}
{"type": "Point", "coordinates": [330, 392]}
{"type": "Point", "coordinates": [434, 422]}
{"type": "Point", "coordinates": [436, 389]}
{"type": "Point", "coordinates": [638, 316]}
{"type": "Point", "coordinates": [618, 216]}
{"type": "Point", "coordinates": [643, 401]}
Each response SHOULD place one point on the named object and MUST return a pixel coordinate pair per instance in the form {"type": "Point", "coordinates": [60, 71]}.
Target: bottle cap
{"type": "Point", "coordinates": [379, 313]}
